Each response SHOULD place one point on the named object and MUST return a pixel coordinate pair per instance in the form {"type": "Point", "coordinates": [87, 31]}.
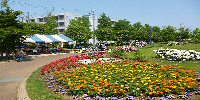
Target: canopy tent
{"type": "Point", "coordinates": [47, 38]}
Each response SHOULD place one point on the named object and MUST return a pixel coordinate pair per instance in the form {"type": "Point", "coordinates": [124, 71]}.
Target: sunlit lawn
{"type": "Point", "coordinates": [150, 56]}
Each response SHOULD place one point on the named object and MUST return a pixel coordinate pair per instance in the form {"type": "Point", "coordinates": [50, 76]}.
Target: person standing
{"type": "Point", "coordinates": [20, 54]}
{"type": "Point", "coordinates": [94, 47]}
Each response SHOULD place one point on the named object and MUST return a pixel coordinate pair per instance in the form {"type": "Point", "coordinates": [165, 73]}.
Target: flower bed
{"type": "Point", "coordinates": [118, 51]}
{"type": "Point", "coordinates": [173, 43]}
{"type": "Point", "coordinates": [140, 44]}
{"type": "Point", "coordinates": [119, 80]}
{"type": "Point", "coordinates": [69, 62]}
{"type": "Point", "coordinates": [177, 55]}
{"type": "Point", "coordinates": [114, 80]}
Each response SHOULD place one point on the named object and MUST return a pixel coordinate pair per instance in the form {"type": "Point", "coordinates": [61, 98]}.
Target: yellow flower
{"type": "Point", "coordinates": [138, 89]}
{"type": "Point", "coordinates": [127, 87]}
{"type": "Point", "coordinates": [122, 85]}
{"type": "Point", "coordinates": [77, 89]}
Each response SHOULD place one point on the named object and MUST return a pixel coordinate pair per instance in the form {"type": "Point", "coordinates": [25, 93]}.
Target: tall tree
{"type": "Point", "coordinates": [104, 21]}
{"type": "Point", "coordinates": [35, 28]}
{"type": "Point", "coordinates": [79, 30]}
{"type": "Point", "coordinates": [138, 30]}
{"type": "Point", "coordinates": [11, 30]}
{"type": "Point", "coordinates": [183, 33]}
{"type": "Point", "coordinates": [196, 34]}
{"type": "Point", "coordinates": [169, 33]}
{"type": "Point", "coordinates": [81, 21]}
{"type": "Point", "coordinates": [122, 31]}
{"type": "Point", "coordinates": [51, 24]}
{"type": "Point", "coordinates": [156, 34]}
{"type": "Point", "coordinates": [104, 32]}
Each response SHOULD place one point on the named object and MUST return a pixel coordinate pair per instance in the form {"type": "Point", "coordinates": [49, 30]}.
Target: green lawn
{"type": "Point", "coordinates": [37, 90]}
{"type": "Point", "coordinates": [149, 55]}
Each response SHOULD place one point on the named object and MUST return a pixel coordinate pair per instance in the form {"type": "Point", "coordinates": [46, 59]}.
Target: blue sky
{"type": "Point", "coordinates": [153, 12]}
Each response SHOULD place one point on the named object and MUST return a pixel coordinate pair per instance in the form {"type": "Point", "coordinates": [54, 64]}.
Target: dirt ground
{"type": "Point", "coordinates": [12, 72]}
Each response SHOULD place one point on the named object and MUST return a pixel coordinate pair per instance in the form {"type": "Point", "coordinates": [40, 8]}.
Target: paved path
{"type": "Point", "coordinates": [12, 73]}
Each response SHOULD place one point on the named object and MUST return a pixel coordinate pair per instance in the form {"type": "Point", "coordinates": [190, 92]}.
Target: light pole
{"type": "Point", "coordinates": [93, 25]}
{"type": "Point", "coordinates": [150, 35]}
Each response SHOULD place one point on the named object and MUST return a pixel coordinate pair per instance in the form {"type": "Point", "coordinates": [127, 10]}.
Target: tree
{"type": "Point", "coordinates": [121, 31]}
{"type": "Point", "coordinates": [78, 33]}
{"type": "Point", "coordinates": [104, 32]}
{"type": "Point", "coordinates": [156, 34]}
{"type": "Point", "coordinates": [81, 21]}
{"type": "Point", "coordinates": [79, 30]}
{"type": "Point", "coordinates": [11, 30]}
{"type": "Point", "coordinates": [137, 30]}
{"type": "Point", "coordinates": [104, 22]}
{"type": "Point", "coordinates": [169, 33]}
{"type": "Point", "coordinates": [196, 34]}
{"type": "Point", "coordinates": [51, 24]}
{"type": "Point", "coordinates": [35, 28]}
{"type": "Point", "coordinates": [146, 32]}
{"type": "Point", "coordinates": [183, 33]}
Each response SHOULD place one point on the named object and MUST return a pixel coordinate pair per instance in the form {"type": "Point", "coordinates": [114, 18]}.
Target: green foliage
{"type": "Point", "coordinates": [51, 25]}
{"type": "Point", "coordinates": [168, 33]}
{"type": "Point", "coordinates": [196, 34]}
{"type": "Point", "coordinates": [11, 30]}
{"type": "Point", "coordinates": [78, 33]}
{"type": "Point", "coordinates": [81, 21]}
{"type": "Point", "coordinates": [104, 32]}
{"type": "Point", "coordinates": [79, 30]}
{"type": "Point", "coordinates": [104, 21]}
{"type": "Point", "coordinates": [156, 34]}
{"type": "Point", "coordinates": [137, 29]}
{"type": "Point", "coordinates": [35, 28]}
{"type": "Point", "coordinates": [183, 33]}
{"type": "Point", "coordinates": [121, 31]}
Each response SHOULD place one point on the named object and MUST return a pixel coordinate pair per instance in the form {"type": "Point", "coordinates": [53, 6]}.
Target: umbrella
{"type": "Point", "coordinates": [21, 45]}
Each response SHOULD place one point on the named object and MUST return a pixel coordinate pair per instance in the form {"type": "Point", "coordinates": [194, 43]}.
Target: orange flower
{"type": "Point", "coordinates": [182, 92]}
{"type": "Point", "coordinates": [121, 90]}
{"type": "Point", "coordinates": [107, 90]}
{"type": "Point", "coordinates": [158, 92]}
{"type": "Point", "coordinates": [114, 91]}
{"type": "Point", "coordinates": [98, 92]}
{"type": "Point", "coordinates": [161, 92]}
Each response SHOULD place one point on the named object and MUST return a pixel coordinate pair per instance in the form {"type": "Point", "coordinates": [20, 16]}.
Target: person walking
{"type": "Point", "coordinates": [20, 54]}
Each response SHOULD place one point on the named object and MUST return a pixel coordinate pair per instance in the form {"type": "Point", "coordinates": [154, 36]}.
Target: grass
{"type": "Point", "coordinates": [37, 90]}
{"type": "Point", "coordinates": [148, 54]}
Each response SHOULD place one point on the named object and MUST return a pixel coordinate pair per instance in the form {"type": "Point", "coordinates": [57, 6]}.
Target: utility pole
{"type": "Point", "coordinates": [150, 35]}
{"type": "Point", "coordinates": [22, 19]}
{"type": "Point", "coordinates": [28, 17]}
{"type": "Point", "coordinates": [93, 26]}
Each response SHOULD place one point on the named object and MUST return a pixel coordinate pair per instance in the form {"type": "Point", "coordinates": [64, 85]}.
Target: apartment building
{"type": "Point", "coordinates": [63, 20]}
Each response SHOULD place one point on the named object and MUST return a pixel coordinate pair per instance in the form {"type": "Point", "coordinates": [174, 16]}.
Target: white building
{"type": "Point", "coordinates": [63, 20]}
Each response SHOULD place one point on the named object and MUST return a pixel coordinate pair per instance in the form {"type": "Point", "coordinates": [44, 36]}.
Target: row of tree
{"type": "Point", "coordinates": [13, 32]}
{"type": "Point", "coordinates": [123, 32]}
